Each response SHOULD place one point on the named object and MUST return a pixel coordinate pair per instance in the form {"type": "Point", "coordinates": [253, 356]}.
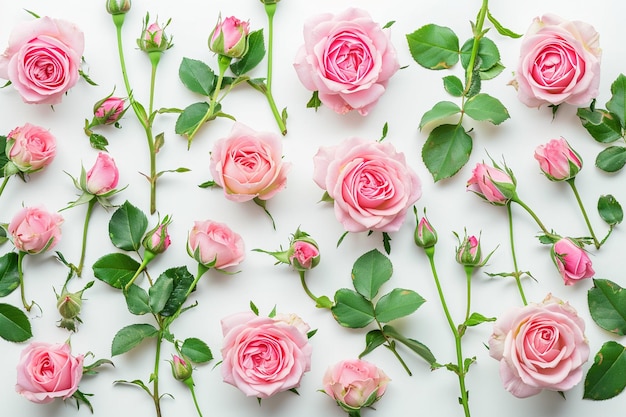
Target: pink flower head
{"type": "Point", "coordinates": [347, 58]}
{"type": "Point", "coordinates": [355, 384]}
{"type": "Point", "coordinates": [249, 164]}
{"type": "Point", "coordinates": [34, 230]}
{"type": "Point", "coordinates": [495, 185]}
{"type": "Point", "coordinates": [43, 59]}
{"type": "Point", "coordinates": [181, 369]}
{"type": "Point", "coordinates": [303, 254]}
{"type": "Point", "coordinates": [557, 160]}
{"type": "Point", "coordinates": [153, 38]}
{"type": "Point", "coordinates": [540, 346]}
{"type": "Point", "coordinates": [468, 252]}
{"type": "Point", "coordinates": [158, 239]}
{"type": "Point", "coordinates": [425, 235]}
{"type": "Point", "coordinates": [230, 37]}
{"type": "Point", "coordinates": [30, 148]}
{"type": "Point", "coordinates": [370, 182]}
{"type": "Point", "coordinates": [103, 176]}
{"type": "Point", "coordinates": [47, 371]}
{"type": "Point", "coordinates": [571, 260]}
{"type": "Point", "coordinates": [263, 356]}
{"type": "Point", "coordinates": [559, 63]}
{"type": "Point", "coordinates": [110, 110]}
{"type": "Point", "coordinates": [215, 245]}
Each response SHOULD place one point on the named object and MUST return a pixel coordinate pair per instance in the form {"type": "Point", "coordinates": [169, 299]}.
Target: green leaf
{"type": "Point", "coordinates": [197, 76]}
{"type": "Point", "coordinates": [446, 150]}
{"type": "Point", "coordinates": [602, 125]}
{"type": "Point", "coordinates": [439, 112]}
{"type": "Point", "coordinates": [127, 227]}
{"type": "Point", "coordinates": [116, 269]}
{"type": "Point", "coordinates": [398, 303]}
{"type": "Point", "coordinates": [453, 85]}
{"type": "Point", "coordinates": [369, 272]}
{"type": "Point", "coordinates": [501, 29]}
{"type": "Point", "coordinates": [417, 347]}
{"type": "Point", "coordinates": [160, 292]}
{"type": "Point", "coordinates": [3, 155]}
{"type": "Point", "coordinates": [610, 210]}
{"type": "Point", "coordinates": [191, 117]}
{"type": "Point", "coordinates": [611, 159]}
{"type": "Point", "coordinates": [196, 350]}
{"type": "Point", "coordinates": [14, 325]}
{"type": "Point", "coordinates": [351, 309]}
{"type": "Point", "coordinates": [607, 305]}
{"type": "Point", "coordinates": [314, 102]}
{"type": "Point", "coordinates": [605, 378]}
{"type": "Point", "coordinates": [182, 281]}
{"type": "Point", "coordinates": [476, 318]}
{"type": "Point", "coordinates": [130, 336]}
{"type": "Point", "coordinates": [487, 52]}
{"type": "Point", "coordinates": [137, 300]}
{"type": "Point", "coordinates": [97, 141]}
{"type": "Point", "coordinates": [485, 107]}
{"type": "Point", "coordinates": [492, 72]}
{"type": "Point", "coordinates": [617, 103]}
{"type": "Point", "coordinates": [252, 58]}
{"type": "Point", "coordinates": [434, 47]}
{"type": "Point", "coordinates": [373, 339]}
{"type": "Point", "coordinates": [9, 274]}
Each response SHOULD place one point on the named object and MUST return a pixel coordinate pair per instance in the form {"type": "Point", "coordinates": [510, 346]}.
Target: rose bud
{"type": "Point", "coordinates": [230, 37]}
{"type": "Point", "coordinates": [468, 252]}
{"type": "Point", "coordinates": [495, 185]}
{"type": "Point", "coordinates": [118, 6]}
{"type": "Point", "coordinates": [571, 260]}
{"type": "Point", "coordinates": [557, 160]}
{"type": "Point", "coordinates": [108, 111]}
{"type": "Point", "coordinates": [158, 240]}
{"type": "Point", "coordinates": [425, 236]}
{"type": "Point", "coordinates": [69, 305]}
{"type": "Point", "coordinates": [29, 148]}
{"type": "Point", "coordinates": [103, 176]}
{"type": "Point", "coordinates": [153, 38]}
{"type": "Point", "coordinates": [181, 369]}
{"type": "Point", "coordinates": [215, 245]}
{"type": "Point", "coordinates": [303, 253]}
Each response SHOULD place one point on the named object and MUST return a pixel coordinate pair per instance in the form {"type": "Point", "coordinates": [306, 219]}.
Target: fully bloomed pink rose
{"type": "Point", "coordinates": [103, 175]}
{"type": "Point", "coordinates": [355, 383]}
{"type": "Point", "coordinates": [43, 59]}
{"type": "Point", "coordinates": [30, 148]}
{"type": "Point", "coordinates": [557, 160]}
{"type": "Point", "coordinates": [347, 58]}
{"type": "Point", "coordinates": [46, 371]}
{"type": "Point", "coordinates": [34, 230]}
{"type": "Point", "coordinates": [559, 63]}
{"type": "Point", "coordinates": [215, 244]}
{"type": "Point", "coordinates": [248, 164]}
{"type": "Point", "coordinates": [263, 356]}
{"type": "Point", "coordinates": [572, 261]}
{"type": "Point", "coordinates": [370, 183]}
{"type": "Point", "coordinates": [540, 346]}
{"type": "Point", "coordinates": [491, 183]}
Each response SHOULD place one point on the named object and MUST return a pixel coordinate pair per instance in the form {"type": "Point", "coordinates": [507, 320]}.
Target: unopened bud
{"type": "Point", "coordinates": [181, 369]}
{"type": "Point", "coordinates": [118, 6]}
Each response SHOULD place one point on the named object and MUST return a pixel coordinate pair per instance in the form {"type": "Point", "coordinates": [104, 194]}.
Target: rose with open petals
{"type": "Point", "coordinates": [495, 185]}
{"type": "Point", "coordinates": [214, 244]}
{"type": "Point", "coordinates": [540, 346]}
{"type": "Point", "coordinates": [557, 160]}
{"type": "Point", "coordinates": [347, 58]}
{"type": "Point", "coordinates": [263, 356]}
{"type": "Point", "coordinates": [30, 148]}
{"type": "Point", "coordinates": [559, 63]}
{"type": "Point", "coordinates": [46, 371]}
{"type": "Point", "coordinates": [43, 59]}
{"type": "Point", "coordinates": [370, 183]}
{"type": "Point", "coordinates": [355, 384]}
{"type": "Point", "coordinates": [249, 164]}
{"type": "Point", "coordinates": [35, 230]}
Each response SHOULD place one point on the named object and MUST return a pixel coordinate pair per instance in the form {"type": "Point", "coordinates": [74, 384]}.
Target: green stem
{"type": "Point", "coordinates": [155, 376]}
{"type": "Point", "coordinates": [20, 274]}
{"type": "Point", "coordinates": [533, 215]}
{"type": "Point", "coordinates": [517, 273]}
{"type": "Point", "coordinates": [193, 395]}
{"type": "Point", "coordinates": [4, 183]}
{"type": "Point", "coordinates": [392, 347]}
{"type": "Point", "coordinates": [478, 34]}
{"type": "Point", "coordinates": [468, 277]}
{"type": "Point", "coordinates": [147, 257]}
{"type": "Point", "coordinates": [270, 10]}
{"type": "Point", "coordinates": [584, 212]}
{"type": "Point", "coordinates": [154, 60]}
{"type": "Point", "coordinates": [306, 287]}
{"type": "Point", "coordinates": [90, 205]}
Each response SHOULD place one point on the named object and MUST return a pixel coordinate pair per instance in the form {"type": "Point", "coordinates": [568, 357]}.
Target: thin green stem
{"type": "Point", "coordinates": [468, 278]}
{"type": "Point", "coordinates": [155, 376]}
{"type": "Point", "coordinates": [193, 396]}
{"type": "Point", "coordinates": [152, 85]}
{"type": "Point", "coordinates": [478, 34]}
{"type": "Point", "coordinates": [533, 215]}
{"type": "Point", "coordinates": [392, 347]}
{"type": "Point", "coordinates": [306, 287]}
{"type": "Point", "coordinates": [584, 212]}
{"type": "Point", "coordinates": [148, 256]}
{"type": "Point", "coordinates": [517, 272]}
{"type": "Point", "coordinates": [270, 10]}
{"type": "Point", "coordinates": [20, 274]}
{"type": "Point", "coordinates": [81, 262]}
{"type": "Point", "coordinates": [4, 183]}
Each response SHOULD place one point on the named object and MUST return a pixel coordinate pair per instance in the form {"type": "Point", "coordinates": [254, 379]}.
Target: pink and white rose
{"type": "Point", "coordinates": [263, 356]}
{"type": "Point", "coordinates": [495, 185]}
{"type": "Point", "coordinates": [103, 176]}
{"type": "Point", "coordinates": [347, 58]}
{"type": "Point", "coordinates": [557, 160]}
{"type": "Point", "coordinates": [46, 371]}
{"type": "Point", "coordinates": [215, 244]}
{"type": "Point", "coordinates": [370, 182]}
{"type": "Point", "coordinates": [43, 59]}
{"type": "Point", "coordinates": [248, 164]}
{"type": "Point", "coordinates": [572, 261]}
{"type": "Point", "coordinates": [30, 148]}
{"type": "Point", "coordinates": [559, 63]}
{"type": "Point", "coordinates": [34, 230]}
{"type": "Point", "coordinates": [540, 346]}
{"type": "Point", "coordinates": [355, 383]}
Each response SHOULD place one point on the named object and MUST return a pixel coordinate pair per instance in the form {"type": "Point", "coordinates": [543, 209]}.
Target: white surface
{"type": "Point", "coordinates": [410, 93]}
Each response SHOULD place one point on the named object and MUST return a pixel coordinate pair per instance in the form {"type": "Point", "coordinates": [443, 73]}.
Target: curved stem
{"type": "Point", "coordinates": [306, 287]}
{"type": "Point", "coordinates": [517, 273]}
{"type": "Point", "coordinates": [81, 262]}
{"type": "Point", "coordinates": [4, 183]}
{"type": "Point", "coordinates": [392, 347]}
{"type": "Point", "coordinates": [20, 273]}
{"type": "Point", "coordinates": [533, 215]}
{"type": "Point", "coordinates": [148, 256]}
{"type": "Point", "coordinates": [193, 396]}
{"type": "Point", "coordinates": [584, 212]}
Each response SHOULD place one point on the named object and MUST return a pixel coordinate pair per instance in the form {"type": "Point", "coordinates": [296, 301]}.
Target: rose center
{"type": "Point", "coordinates": [347, 59]}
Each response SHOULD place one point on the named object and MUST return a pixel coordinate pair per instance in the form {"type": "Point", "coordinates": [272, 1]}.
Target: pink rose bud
{"type": "Point", "coordinates": [153, 38]}
{"type": "Point", "coordinates": [109, 111]}
{"type": "Point", "coordinates": [103, 177]}
{"type": "Point", "coordinates": [495, 185]}
{"type": "Point", "coordinates": [355, 384]}
{"type": "Point", "coordinates": [158, 239]}
{"type": "Point", "coordinates": [215, 245]}
{"type": "Point", "coordinates": [303, 254]}
{"type": "Point", "coordinates": [425, 235]}
{"type": "Point", "coordinates": [30, 148]}
{"type": "Point", "coordinates": [34, 230]}
{"type": "Point", "coordinates": [468, 253]}
{"type": "Point", "coordinates": [571, 260]}
{"type": "Point", "coordinates": [181, 369]}
{"type": "Point", "coordinates": [118, 6]}
{"type": "Point", "coordinates": [230, 37]}
{"type": "Point", "coordinates": [557, 160]}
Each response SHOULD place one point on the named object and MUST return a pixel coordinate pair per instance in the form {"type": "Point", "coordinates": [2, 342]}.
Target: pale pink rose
{"type": "Point", "coordinates": [34, 230]}
{"type": "Point", "coordinates": [493, 184]}
{"type": "Point", "coordinates": [559, 63]}
{"type": "Point", "coordinates": [230, 37]}
{"type": "Point", "coordinates": [248, 164]}
{"type": "Point", "coordinates": [293, 320]}
{"type": "Point", "coordinates": [210, 241]}
{"type": "Point", "coordinates": [304, 255]}
{"type": "Point", "coordinates": [46, 371]}
{"type": "Point", "coordinates": [110, 110]}
{"type": "Point", "coordinates": [263, 356]}
{"type": "Point", "coordinates": [557, 160]}
{"type": "Point", "coordinates": [540, 346]}
{"type": "Point", "coordinates": [43, 59]}
{"type": "Point", "coordinates": [355, 383]}
{"type": "Point", "coordinates": [103, 175]}
{"type": "Point", "coordinates": [347, 58]}
{"type": "Point", "coordinates": [30, 148]}
{"type": "Point", "coordinates": [370, 182]}
{"type": "Point", "coordinates": [158, 239]}
{"type": "Point", "coordinates": [572, 261]}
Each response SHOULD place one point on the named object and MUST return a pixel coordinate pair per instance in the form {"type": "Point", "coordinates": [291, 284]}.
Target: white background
{"type": "Point", "coordinates": [411, 92]}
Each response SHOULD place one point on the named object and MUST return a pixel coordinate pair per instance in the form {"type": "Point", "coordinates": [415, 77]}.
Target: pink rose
{"type": "Point", "coordinates": [425, 236]}
{"type": "Point", "coordinates": [110, 110]}
{"type": "Point", "coordinates": [355, 383]}
{"type": "Point", "coordinates": [230, 37]}
{"type": "Point", "coordinates": [43, 59]}
{"type": "Point", "coordinates": [493, 184]}
{"type": "Point", "coordinates": [572, 261]}
{"type": "Point", "coordinates": [559, 63]}
{"type": "Point", "coordinates": [158, 239]}
{"type": "Point", "coordinates": [263, 356]}
{"type": "Point", "coordinates": [215, 244]}
{"type": "Point", "coordinates": [103, 175]}
{"type": "Point", "coordinates": [303, 255]}
{"type": "Point", "coordinates": [34, 230]}
{"type": "Point", "coordinates": [539, 346]}
{"type": "Point", "coordinates": [557, 160]}
{"type": "Point", "coordinates": [47, 371]}
{"type": "Point", "coordinates": [249, 164]}
{"type": "Point", "coordinates": [347, 58]}
{"type": "Point", "coordinates": [370, 183]}
{"type": "Point", "coordinates": [30, 148]}
{"type": "Point", "coordinates": [468, 253]}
